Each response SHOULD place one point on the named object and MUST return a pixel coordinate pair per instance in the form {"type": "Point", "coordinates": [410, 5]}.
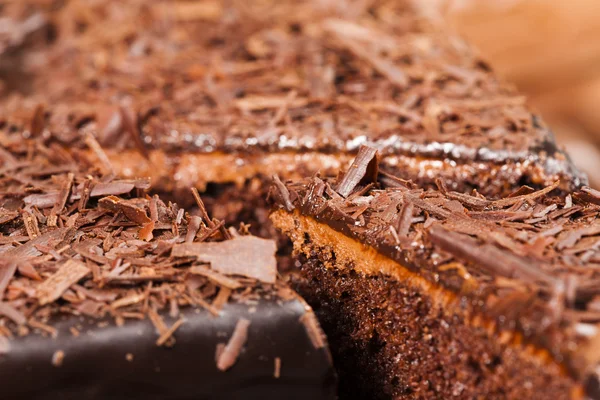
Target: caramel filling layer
{"type": "Point", "coordinates": [171, 171]}
{"type": "Point", "coordinates": [365, 259]}
{"type": "Point", "coordinates": [184, 170]}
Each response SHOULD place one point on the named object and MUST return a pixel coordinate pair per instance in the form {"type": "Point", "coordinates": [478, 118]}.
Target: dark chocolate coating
{"type": "Point", "coordinates": [95, 364]}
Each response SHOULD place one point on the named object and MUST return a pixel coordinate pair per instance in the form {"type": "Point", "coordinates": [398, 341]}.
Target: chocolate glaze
{"type": "Point", "coordinates": [95, 364]}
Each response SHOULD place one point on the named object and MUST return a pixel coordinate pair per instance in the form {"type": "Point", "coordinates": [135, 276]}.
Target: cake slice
{"type": "Point", "coordinates": [222, 95]}
{"type": "Point", "coordinates": [108, 293]}
{"type": "Point", "coordinates": [438, 294]}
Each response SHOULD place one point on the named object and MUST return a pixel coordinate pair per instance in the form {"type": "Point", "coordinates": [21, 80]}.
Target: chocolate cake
{"type": "Point", "coordinates": [439, 294]}
{"type": "Point", "coordinates": [108, 293]}
{"type": "Point", "coordinates": [194, 93]}
{"type": "Point", "coordinates": [120, 101]}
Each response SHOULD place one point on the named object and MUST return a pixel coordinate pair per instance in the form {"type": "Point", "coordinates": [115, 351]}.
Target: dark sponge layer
{"type": "Point", "coordinates": [388, 341]}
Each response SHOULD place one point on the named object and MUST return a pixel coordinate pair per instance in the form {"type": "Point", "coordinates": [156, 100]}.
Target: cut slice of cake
{"type": "Point", "coordinates": [108, 293]}
{"type": "Point", "coordinates": [438, 294]}
{"type": "Point", "coordinates": [194, 94]}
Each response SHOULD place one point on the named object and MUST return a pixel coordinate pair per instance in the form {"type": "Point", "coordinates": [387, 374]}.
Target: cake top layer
{"type": "Point", "coordinates": [528, 261]}
{"type": "Point", "coordinates": [274, 75]}
{"type": "Point", "coordinates": [76, 241]}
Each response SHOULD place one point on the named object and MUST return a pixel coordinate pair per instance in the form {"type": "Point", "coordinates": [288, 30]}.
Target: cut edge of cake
{"type": "Point", "coordinates": [543, 347]}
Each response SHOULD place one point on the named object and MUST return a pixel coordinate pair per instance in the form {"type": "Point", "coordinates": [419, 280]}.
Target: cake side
{"type": "Point", "coordinates": [395, 334]}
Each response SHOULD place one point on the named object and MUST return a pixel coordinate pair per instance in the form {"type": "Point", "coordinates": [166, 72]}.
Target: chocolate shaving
{"type": "Point", "coordinates": [131, 211]}
{"type": "Point", "coordinates": [145, 232]}
{"type": "Point", "coordinates": [157, 321]}
{"type": "Point", "coordinates": [7, 216]}
{"type": "Point", "coordinates": [62, 198]}
{"type": "Point", "coordinates": [222, 298]}
{"type": "Point", "coordinates": [488, 257]}
{"type": "Point", "coordinates": [202, 209]}
{"type": "Point", "coordinates": [38, 120]}
{"type": "Point", "coordinates": [12, 313]}
{"type": "Point", "coordinates": [43, 327]}
{"type": "Point", "coordinates": [573, 236]}
{"type": "Point", "coordinates": [95, 294]}
{"type": "Point", "coordinates": [523, 190]}
{"type": "Point", "coordinates": [248, 256]}
{"type": "Point", "coordinates": [41, 201]}
{"type": "Point", "coordinates": [4, 345]}
{"type": "Point", "coordinates": [426, 206]}
{"type": "Point", "coordinates": [130, 121]}
{"type": "Point", "coordinates": [68, 274]}
{"type": "Point", "coordinates": [7, 271]}
{"type": "Point", "coordinates": [526, 197]}
{"type": "Point", "coordinates": [277, 368]}
{"type": "Point", "coordinates": [405, 218]}
{"type": "Point", "coordinates": [232, 350]}
{"type": "Point", "coordinates": [216, 277]}
{"type": "Point", "coordinates": [469, 201]}
{"type": "Point", "coordinates": [97, 149]}
{"type": "Point", "coordinates": [31, 224]}
{"type": "Point", "coordinates": [85, 195]}
{"type": "Point", "coordinates": [363, 170]}
{"type": "Point", "coordinates": [128, 300]}
{"type": "Point", "coordinates": [381, 65]}
{"type": "Point", "coordinates": [114, 188]}
{"type": "Point", "coordinates": [588, 195]}
{"type": "Point", "coordinates": [28, 270]}
{"type": "Point", "coordinates": [168, 334]}
{"type": "Point", "coordinates": [284, 193]}
{"type": "Point", "coordinates": [255, 103]}
{"type": "Point", "coordinates": [29, 249]}
{"type": "Point", "coordinates": [193, 227]}
{"type": "Point", "coordinates": [58, 358]}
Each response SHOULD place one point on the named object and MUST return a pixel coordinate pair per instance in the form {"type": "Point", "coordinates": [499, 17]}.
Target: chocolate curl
{"type": "Point", "coordinates": [364, 170]}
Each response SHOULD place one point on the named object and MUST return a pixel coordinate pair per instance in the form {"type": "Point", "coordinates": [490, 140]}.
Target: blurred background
{"type": "Point", "coordinates": [551, 50]}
